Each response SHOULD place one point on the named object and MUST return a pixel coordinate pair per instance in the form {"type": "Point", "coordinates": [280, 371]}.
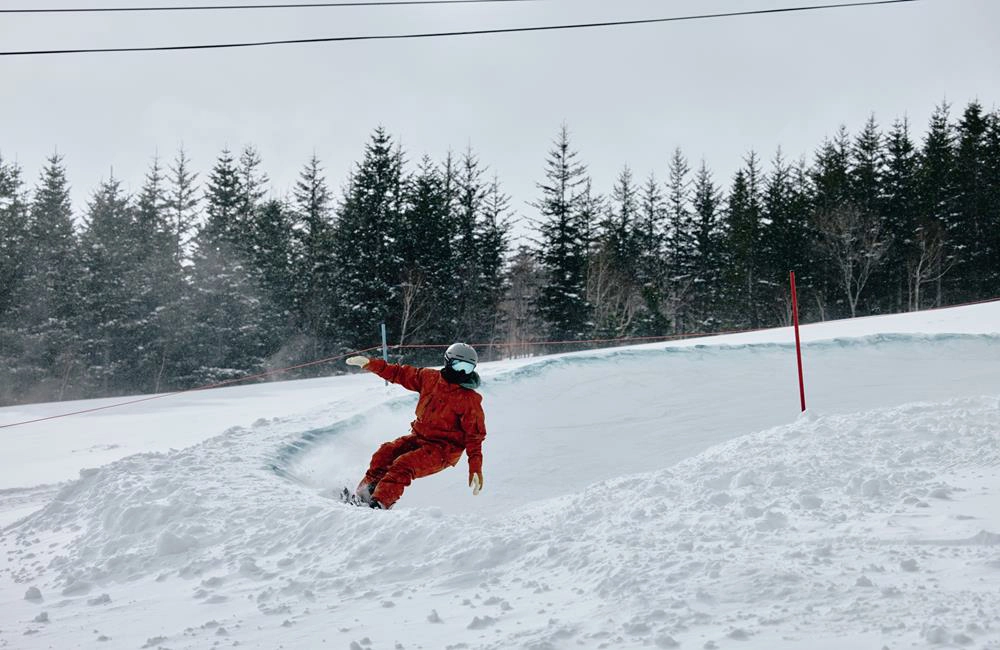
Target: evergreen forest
{"type": "Point", "coordinates": [204, 276]}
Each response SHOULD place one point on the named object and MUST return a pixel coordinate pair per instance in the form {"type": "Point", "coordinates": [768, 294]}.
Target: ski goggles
{"type": "Point", "coordinates": [462, 366]}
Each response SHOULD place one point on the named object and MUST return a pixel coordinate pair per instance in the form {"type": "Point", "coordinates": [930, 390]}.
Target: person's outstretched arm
{"type": "Point", "coordinates": [408, 377]}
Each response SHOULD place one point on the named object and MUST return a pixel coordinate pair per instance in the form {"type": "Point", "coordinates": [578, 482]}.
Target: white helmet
{"type": "Point", "coordinates": [461, 356]}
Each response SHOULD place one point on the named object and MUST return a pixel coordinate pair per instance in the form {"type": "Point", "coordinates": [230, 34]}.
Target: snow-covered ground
{"type": "Point", "coordinates": [664, 495]}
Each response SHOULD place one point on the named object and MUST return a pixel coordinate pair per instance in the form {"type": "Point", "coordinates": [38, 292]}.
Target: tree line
{"type": "Point", "coordinates": [197, 280]}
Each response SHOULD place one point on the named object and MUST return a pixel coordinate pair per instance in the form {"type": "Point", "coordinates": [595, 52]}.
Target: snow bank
{"type": "Point", "coordinates": [663, 496]}
{"type": "Point", "coordinates": [830, 526]}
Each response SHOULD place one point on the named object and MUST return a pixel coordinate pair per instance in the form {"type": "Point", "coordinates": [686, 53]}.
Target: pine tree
{"type": "Point", "coordinates": [593, 208]}
{"type": "Point", "coordinates": [469, 205]}
{"type": "Point", "coordinates": [270, 261]}
{"type": "Point", "coordinates": [937, 198]}
{"type": "Point", "coordinates": [618, 229]}
{"type": "Point", "coordinates": [991, 278]}
{"type": "Point", "coordinates": [157, 280]}
{"type": "Point", "coordinates": [13, 240]}
{"type": "Point", "coordinates": [225, 200]}
{"type": "Point", "coordinates": [482, 217]}
{"type": "Point", "coordinates": [899, 187]}
{"type": "Point", "coordinates": [313, 258]}
{"type": "Point", "coordinates": [973, 206]}
{"type": "Point", "coordinates": [598, 265]}
{"type": "Point", "coordinates": [651, 268]}
{"type": "Point", "coordinates": [744, 258]}
{"type": "Point", "coordinates": [252, 183]}
{"type": "Point", "coordinates": [801, 230]}
{"type": "Point", "coordinates": [13, 269]}
{"type": "Point", "coordinates": [680, 245]}
{"type": "Point", "coordinates": [151, 219]}
{"type": "Point", "coordinates": [867, 169]}
{"type": "Point", "coordinates": [493, 235]}
{"type": "Point", "coordinates": [52, 348]}
{"type": "Point", "coordinates": [182, 205]}
{"type": "Point", "coordinates": [830, 174]}
{"type": "Point", "coordinates": [613, 290]}
{"type": "Point", "coordinates": [366, 244]}
{"type": "Point", "coordinates": [270, 256]}
{"type": "Point", "coordinates": [709, 242]}
{"type": "Point", "coordinates": [111, 319]}
{"type": "Point", "coordinates": [562, 302]}
{"type": "Point", "coordinates": [427, 295]}
{"type": "Point", "coordinates": [224, 309]}
{"type": "Point", "coordinates": [831, 192]}
{"type": "Point", "coordinates": [850, 233]}
{"type": "Point", "coordinates": [785, 243]}
{"type": "Point", "coordinates": [865, 178]}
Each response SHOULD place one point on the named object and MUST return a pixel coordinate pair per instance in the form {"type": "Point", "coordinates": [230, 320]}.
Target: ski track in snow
{"type": "Point", "coordinates": [878, 527]}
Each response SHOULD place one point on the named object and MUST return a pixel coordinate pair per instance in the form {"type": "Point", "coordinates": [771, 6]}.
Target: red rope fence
{"type": "Point", "coordinates": [190, 390]}
{"type": "Point", "coordinates": [277, 371]}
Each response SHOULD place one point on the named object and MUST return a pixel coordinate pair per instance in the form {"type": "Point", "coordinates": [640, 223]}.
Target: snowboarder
{"type": "Point", "coordinates": [449, 421]}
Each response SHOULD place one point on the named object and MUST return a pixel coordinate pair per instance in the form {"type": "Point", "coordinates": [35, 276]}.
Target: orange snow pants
{"type": "Point", "coordinates": [397, 463]}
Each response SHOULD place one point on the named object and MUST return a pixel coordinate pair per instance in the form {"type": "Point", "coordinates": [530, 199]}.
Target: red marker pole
{"type": "Point", "coordinates": [798, 344]}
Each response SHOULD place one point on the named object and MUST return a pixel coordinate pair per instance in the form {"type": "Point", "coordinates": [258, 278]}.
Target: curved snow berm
{"type": "Point", "coordinates": [560, 424]}
{"type": "Point", "coordinates": [850, 530]}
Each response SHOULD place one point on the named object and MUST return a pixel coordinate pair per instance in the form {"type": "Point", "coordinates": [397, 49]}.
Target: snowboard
{"type": "Point", "coordinates": [348, 497]}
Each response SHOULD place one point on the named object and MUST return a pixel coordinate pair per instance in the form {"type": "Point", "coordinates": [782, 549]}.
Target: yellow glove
{"type": "Point", "coordinates": [358, 361]}
{"type": "Point", "coordinates": [476, 482]}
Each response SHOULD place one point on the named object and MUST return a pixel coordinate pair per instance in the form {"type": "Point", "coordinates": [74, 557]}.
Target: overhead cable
{"type": "Point", "coordinates": [475, 32]}
{"type": "Point", "coordinates": [296, 5]}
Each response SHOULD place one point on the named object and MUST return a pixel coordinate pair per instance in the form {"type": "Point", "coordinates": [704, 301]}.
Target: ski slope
{"type": "Point", "coordinates": [665, 495]}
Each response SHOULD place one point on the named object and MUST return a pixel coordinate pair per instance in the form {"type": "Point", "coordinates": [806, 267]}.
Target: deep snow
{"type": "Point", "coordinates": [665, 495]}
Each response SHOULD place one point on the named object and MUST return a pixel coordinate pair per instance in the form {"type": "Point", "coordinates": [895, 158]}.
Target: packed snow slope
{"type": "Point", "coordinates": [666, 495]}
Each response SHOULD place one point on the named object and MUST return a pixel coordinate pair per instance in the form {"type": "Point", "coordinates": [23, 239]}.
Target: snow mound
{"type": "Point", "coordinates": [626, 506]}
{"type": "Point", "coordinates": [818, 524]}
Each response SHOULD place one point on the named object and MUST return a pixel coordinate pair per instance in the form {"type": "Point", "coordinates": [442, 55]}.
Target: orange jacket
{"type": "Point", "coordinates": [445, 412]}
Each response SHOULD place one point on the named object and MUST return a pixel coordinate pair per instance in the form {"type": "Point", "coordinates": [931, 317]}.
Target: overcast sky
{"type": "Point", "coordinates": [715, 88]}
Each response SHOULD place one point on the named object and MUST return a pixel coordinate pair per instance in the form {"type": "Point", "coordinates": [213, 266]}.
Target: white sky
{"type": "Point", "coordinates": [715, 88]}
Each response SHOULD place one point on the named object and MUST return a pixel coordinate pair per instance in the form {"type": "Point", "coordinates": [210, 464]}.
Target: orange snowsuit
{"type": "Point", "coordinates": [450, 420]}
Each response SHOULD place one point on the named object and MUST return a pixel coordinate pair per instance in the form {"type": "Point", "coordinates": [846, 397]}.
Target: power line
{"type": "Point", "coordinates": [299, 5]}
{"type": "Point", "coordinates": [477, 32]}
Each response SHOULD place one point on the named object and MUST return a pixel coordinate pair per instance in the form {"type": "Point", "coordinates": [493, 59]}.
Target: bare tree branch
{"type": "Point", "coordinates": [856, 243]}
{"type": "Point", "coordinates": [926, 266]}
